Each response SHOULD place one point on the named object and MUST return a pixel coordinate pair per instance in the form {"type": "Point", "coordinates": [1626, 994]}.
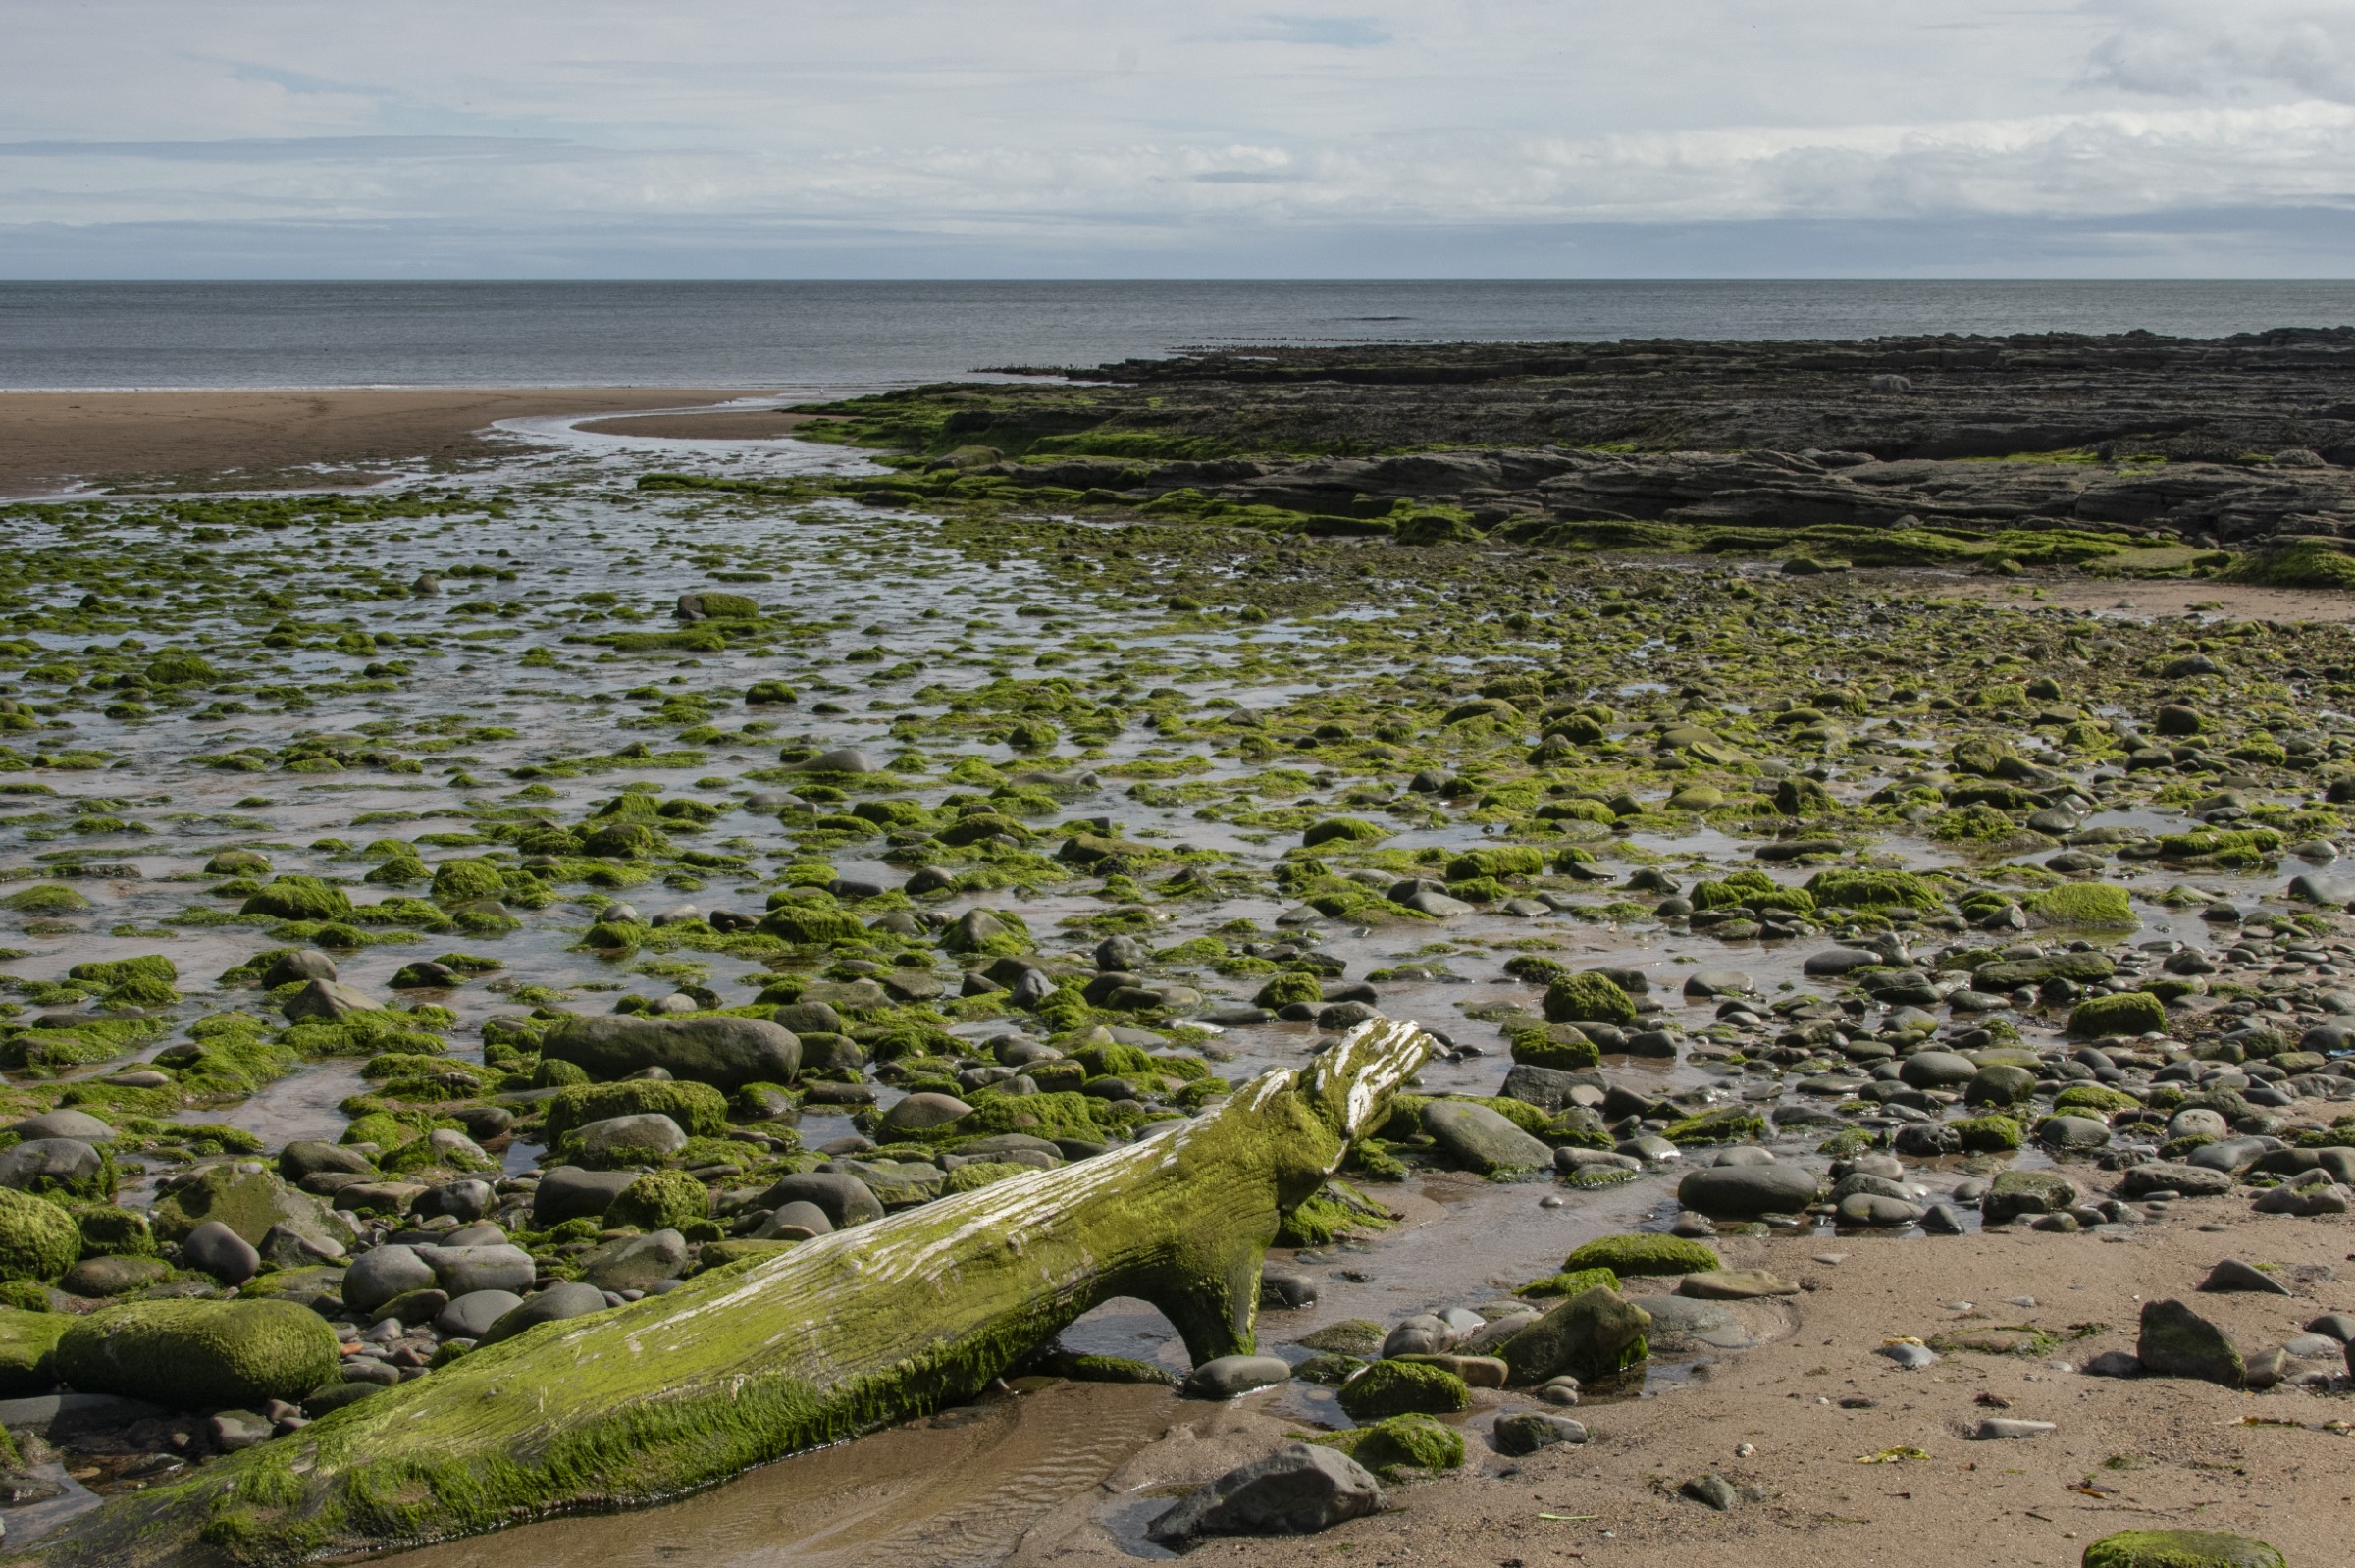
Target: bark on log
{"type": "Point", "coordinates": [749, 1363]}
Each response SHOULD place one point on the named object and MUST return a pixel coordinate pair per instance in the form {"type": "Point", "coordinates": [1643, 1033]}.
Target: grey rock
{"type": "Point", "coordinates": [636, 1262]}
{"type": "Point", "coordinates": [569, 1192]}
{"type": "Point", "coordinates": [470, 1316]}
{"type": "Point", "coordinates": [843, 760]}
{"type": "Point", "coordinates": [2113, 1364]}
{"type": "Point", "coordinates": [1299, 1490]}
{"type": "Point", "coordinates": [1225, 1376]}
{"type": "Point", "coordinates": [221, 1252]}
{"type": "Point", "coordinates": [572, 1299]}
{"type": "Point", "coordinates": [1912, 1357]}
{"type": "Point", "coordinates": [329, 1001]}
{"type": "Point", "coordinates": [726, 1052]}
{"type": "Point", "coordinates": [623, 1135]}
{"type": "Point", "coordinates": [2234, 1274]}
{"type": "Point", "coordinates": [845, 1200]}
{"type": "Point", "coordinates": [1526, 1431]}
{"type": "Point", "coordinates": [1481, 1138]}
{"type": "Point", "coordinates": [62, 1123]}
{"type": "Point", "coordinates": [2177, 1343]}
{"type": "Point", "coordinates": [1711, 1491]}
{"type": "Point", "coordinates": [467, 1270]}
{"type": "Point", "coordinates": [303, 964]}
{"type": "Point", "coordinates": [2159, 1175]}
{"type": "Point", "coordinates": [379, 1274]}
{"type": "Point", "coordinates": [799, 1221]}
{"type": "Point", "coordinates": [1992, 1428]}
{"type": "Point", "coordinates": [40, 1161]}
{"type": "Point", "coordinates": [1747, 1192]}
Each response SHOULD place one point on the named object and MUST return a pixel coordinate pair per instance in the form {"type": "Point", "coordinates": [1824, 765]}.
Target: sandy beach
{"type": "Point", "coordinates": [49, 440]}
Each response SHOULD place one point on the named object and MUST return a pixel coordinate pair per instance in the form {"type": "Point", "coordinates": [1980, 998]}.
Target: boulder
{"type": "Point", "coordinates": [39, 1240]}
{"type": "Point", "coordinates": [62, 1123]}
{"type": "Point", "coordinates": [382, 1272]}
{"type": "Point", "coordinates": [221, 1252]}
{"type": "Point", "coordinates": [470, 1316]}
{"type": "Point", "coordinates": [569, 1192]}
{"type": "Point", "coordinates": [1482, 1139]}
{"type": "Point", "coordinates": [1592, 1335]}
{"type": "Point", "coordinates": [248, 1201]}
{"type": "Point", "coordinates": [629, 1138]}
{"type": "Point", "coordinates": [844, 1200]}
{"type": "Point", "coordinates": [636, 1262]}
{"type": "Point", "coordinates": [1297, 1490]}
{"type": "Point", "coordinates": [2177, 1343]}
{"type": "Point", "coordinates": [1225, 1376]}
{"type": "Point", "coordinates": [557, 1303]}
{"type": "Point", "coordinates": [725, 1052]}
{"type": "Point", "coordinates": [469, 1271]}
{"type": "Point", "coordinates": [57, 1165]}
{"type": "Point", "coordinates": [194, 1355]}
{"type": "Point", "coordinates": [1747, 1192]}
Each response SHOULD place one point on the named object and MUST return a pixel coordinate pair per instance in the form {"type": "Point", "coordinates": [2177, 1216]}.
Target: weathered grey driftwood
{"type": "Point", "coordinates": [752, 1362]}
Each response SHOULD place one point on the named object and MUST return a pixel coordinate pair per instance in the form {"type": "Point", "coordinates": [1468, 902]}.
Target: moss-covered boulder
{"type": "Point", "coordinates": [1557, 1046]}
{"type": "Point", "coordinates": [39, 1240]}
{"type": "Point", "coordinates": [462, 882]}
{"type": "Point", "coordinates": [1873, 889]}
{"type": "Point", "coordinates": [298, 898]}
{"type": "Point", "coordinates": [1588, 998]}
{"type": "Point", "coordinates": [661, 1200]}
{"type": "Point", "coordinates": [1409, 1442]}
{"type": "Point", "coordinates": [1403, 1387]}
{"type": "Point", "coordinates": [199, 1355]}
{"type": "Point", "coordinates": [2179, 1549]}
{"type": "Point", "coordinates": [28, 1343]}
{"type": "Point", "coordinates": [2084, 905]}
{"type": "Point", "coordinates": [698, 1108]}
{"type": "Point", "coordinates": [724, 1052]}
{"type": "Point", "coordinates": [1592, 1335]}
{"type": "Point", "coordinates": [249, 1202]}
{"type": "Point", "coordinates": [2126, 1013]}
{"type": "Point", "coordinates": [1630, 1255]}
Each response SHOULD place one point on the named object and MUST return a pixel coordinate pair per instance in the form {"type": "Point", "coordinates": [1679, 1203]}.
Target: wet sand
{"type": "Point", "coordinates": [52, 439]}
{"type": "Point", "coordinates": [1015, 1481]}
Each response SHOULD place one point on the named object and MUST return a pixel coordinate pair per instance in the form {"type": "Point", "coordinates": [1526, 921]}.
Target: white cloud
{"type": "Point", "coordinates": [2242, 48]}
{"type": "Point", "coordinates": [1047, 120]}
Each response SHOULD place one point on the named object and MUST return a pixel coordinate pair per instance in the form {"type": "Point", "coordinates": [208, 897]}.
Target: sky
{"type": "Point", "coordinates": [840, 138]}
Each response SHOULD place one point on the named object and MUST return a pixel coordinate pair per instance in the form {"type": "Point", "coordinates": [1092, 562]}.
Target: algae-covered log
{"type": "Point", "coordinates": [748, 1363]}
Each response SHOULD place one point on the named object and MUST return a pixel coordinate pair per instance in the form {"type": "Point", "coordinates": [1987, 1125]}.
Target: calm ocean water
{"type": "Point", "coordinates": [757, 334]}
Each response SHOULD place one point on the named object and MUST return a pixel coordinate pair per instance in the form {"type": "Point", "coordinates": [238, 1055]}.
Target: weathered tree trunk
{"type": "Point", "coordinates": [838, 1336]}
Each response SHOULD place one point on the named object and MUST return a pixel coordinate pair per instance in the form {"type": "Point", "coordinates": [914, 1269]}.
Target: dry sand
{"type": "Point", "coordinates": [51, 438]}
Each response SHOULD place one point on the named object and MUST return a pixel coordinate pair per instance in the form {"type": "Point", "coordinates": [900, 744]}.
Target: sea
{"type": "Point", "coordinates": [759, 335]}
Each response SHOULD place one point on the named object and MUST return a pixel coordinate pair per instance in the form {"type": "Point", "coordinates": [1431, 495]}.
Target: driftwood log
{"type": "Point", "coordinates": [748, 1363]}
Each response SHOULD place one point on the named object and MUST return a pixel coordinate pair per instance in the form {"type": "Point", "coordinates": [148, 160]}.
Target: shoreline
{"type": "Point", "coordinates": [52, 439]}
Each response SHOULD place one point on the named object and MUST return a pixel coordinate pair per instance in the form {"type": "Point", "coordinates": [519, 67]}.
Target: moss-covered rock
{"type": "Point", "coordinates": [249, 1202]}
{"type": "Point", "coordinates": [199, 1355]}
{"type": "Point", "coordinates": [661, 1200]}
{"type": "Point", "coordinates": [1595, 1334]}
{"type": "Point", "coordinates": [2181, 1548]}
{"type": "Point", "coordinates": [28, 1343]}
{"type": "Point", "coordinates": [1558, 1046]}
{"type": "Point", "coordinates": [2126, 1013]}
{"type": "Point", "coordinates": [1341, 831]}
{"type": "Point", "coordinates": [1403, 1387]}
{"type": "Point", "coordinates": [39, 1240]}
{"type": "Point", "coordinates": [699, 1110]}
{"type": "Point", "coordinates": [1637, 1254]}
{"type": "Point", "coordinates": [1293, 985]}
{"type": "Point", "coordinates": [1400, 1444]}
{"type": "Point", "coordinates": [2084, 905]}
{"type": "Point", "coordinates": [1872, 889]}
{"type": "Point", "coordinates": [1988, 1134]}
{"type": "Point", "coordinates": [1588, 998]}
{"type": "Point", "coordinates": [462, 882]}
{"type": "Point", "coordinates": [298, 898]}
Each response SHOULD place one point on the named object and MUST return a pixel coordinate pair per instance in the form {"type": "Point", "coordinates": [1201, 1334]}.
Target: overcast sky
{"type": "Point", "coordinates": [1209, 138]}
